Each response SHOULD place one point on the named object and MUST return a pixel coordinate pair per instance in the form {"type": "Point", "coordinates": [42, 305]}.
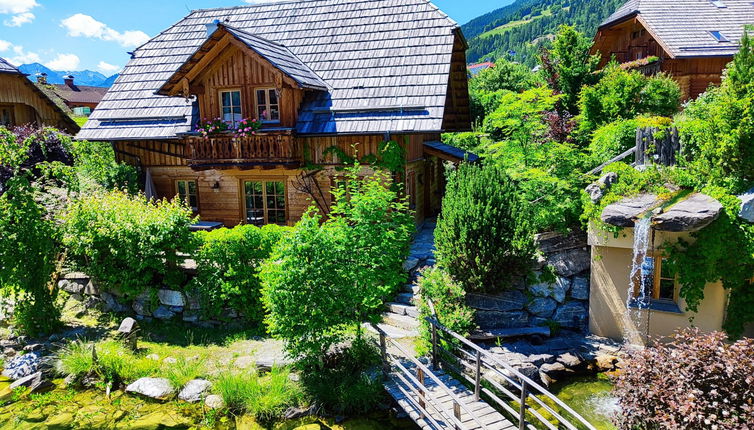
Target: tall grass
{"type": "Point", "coordinates": [264, 396]}
{"type": "Point", "coordinates": [183, 371]}
{"type": "Point", "coordinates": [111, 362]}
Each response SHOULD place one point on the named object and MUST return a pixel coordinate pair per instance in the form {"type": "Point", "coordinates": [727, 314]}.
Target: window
{"type": "Point", "coordinates": [187, 191]}
{"type": "Point", "coordinates": [268, 108]}
{"type": "Point", "coordinates": [265, 202]}
{"type": "Point", "coordinates": [231, 107]}
{"type": "Point", "coordinates": [719, 36]}
{"type": "Point", "coordinates": [656, 280]}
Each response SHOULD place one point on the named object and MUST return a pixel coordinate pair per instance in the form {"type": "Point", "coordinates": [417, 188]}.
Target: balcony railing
{"type": "Point", "coordinates": [262, 149]}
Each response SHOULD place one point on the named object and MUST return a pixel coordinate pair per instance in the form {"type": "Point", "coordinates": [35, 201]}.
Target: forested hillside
{"type": "Point", "coordinates": [519, 30]}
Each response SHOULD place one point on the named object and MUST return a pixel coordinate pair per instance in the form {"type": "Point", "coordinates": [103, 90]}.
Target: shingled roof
{"type": "Point", "coordinates": [386, 65]}
{"type": "Point", "coordinates": [80, 93]}
{"type": "Point", "coordinates": [6, 67]}
{"type": "Point", "coordinates": [683, 27]}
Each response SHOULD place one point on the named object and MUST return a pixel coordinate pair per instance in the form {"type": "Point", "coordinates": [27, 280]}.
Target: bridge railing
{"type": "Point", "coordinates": [513, 392]}
{"type": "Point", "coordinates": [416, 392]}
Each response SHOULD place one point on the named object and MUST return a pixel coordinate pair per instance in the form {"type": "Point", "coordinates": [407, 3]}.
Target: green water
{"type": "Point", "coordinates": [591, 397]}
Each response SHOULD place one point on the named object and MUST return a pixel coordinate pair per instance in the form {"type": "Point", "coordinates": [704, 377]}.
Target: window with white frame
{"type": "Point", "coordinates": [268, 106]}
{"type": "Point", "coordinates": [230, 102]}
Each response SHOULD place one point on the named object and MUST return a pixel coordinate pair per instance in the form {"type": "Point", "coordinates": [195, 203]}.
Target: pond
{"type": "Point", "coordinates": [591, 397]}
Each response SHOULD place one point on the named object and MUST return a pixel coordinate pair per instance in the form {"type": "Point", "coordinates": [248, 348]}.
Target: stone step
{"type": "Point", "coordinates": [405, 298]}
{"type": "Point", "coordinates": [402, 309]}
{"type": "Point", "coordinates": [404, 322]}
{"type": "Point", "coordinates": [392, 331]}
{"type": "Point", "coordinates": [411, 288]}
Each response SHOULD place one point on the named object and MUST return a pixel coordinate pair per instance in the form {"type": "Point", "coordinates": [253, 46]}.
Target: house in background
{"type": "Point", "coordinates": [82, 99]}
{"type": "Point", "coordinates": [328, 80]}
{"type": "Point", "coordinates": [692, 40]}
{"type": "Point", "coordinates": [22, 102]}
{"type": "Point", "coordinates": [475, 69]}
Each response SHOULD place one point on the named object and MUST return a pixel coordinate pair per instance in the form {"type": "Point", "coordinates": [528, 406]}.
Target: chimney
{"type": "Point", "coordinates": [42, 78]}
{"type": "Point", "coordinates": [69, 81]}
{"type": "Point", "coordinates": [211, 28]}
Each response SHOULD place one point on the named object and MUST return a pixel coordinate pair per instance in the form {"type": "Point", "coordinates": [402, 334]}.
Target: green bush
{"type": "Point", "coordinates": [96, 168]}
{"type": "Point", "coordinates": [112, 362]}
{"type": "Point", "coordinates": [483, 235]}
{"type": "Point", "coordinates": [614, 138]}
{"type": "Point", "coordinates": [449, 302]}
{"type": "Point", "coordinates": [228, 262]}
{"type": "Point", "coordinates": [265, 397]}
{"type": "Point", "coordinates": [128, 243]}
{"type": "Point", "coordinates": [330, 276]}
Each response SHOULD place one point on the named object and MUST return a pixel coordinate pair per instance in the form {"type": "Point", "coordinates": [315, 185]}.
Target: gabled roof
{"type": "Point", "coordinates": [80, 93]}
{"type": "Point", "coordinates": [6, 67]}
{"type": "Point", "coordinates": [386, 64]}
{"type": "Point", "coordinates": [683, 27]}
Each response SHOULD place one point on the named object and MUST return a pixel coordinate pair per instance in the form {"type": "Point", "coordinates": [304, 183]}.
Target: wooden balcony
{"type": "Point", "coordinates": [226, 151]}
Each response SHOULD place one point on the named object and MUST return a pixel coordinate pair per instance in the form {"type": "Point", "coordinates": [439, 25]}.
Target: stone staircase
{"type": "Point", "coordinates": [400, 317]}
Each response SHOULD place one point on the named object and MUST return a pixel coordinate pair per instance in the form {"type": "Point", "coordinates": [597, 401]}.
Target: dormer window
{"type": "Point", "coordinates": [230, 101]}
{"type": "Point", "coordinates": [719, 36]}
{"type": "Point", "coordinates": [268, 107]}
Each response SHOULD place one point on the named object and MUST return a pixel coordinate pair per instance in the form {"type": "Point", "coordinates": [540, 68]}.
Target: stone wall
{"type": "Point", "coordinates": [563, 302]}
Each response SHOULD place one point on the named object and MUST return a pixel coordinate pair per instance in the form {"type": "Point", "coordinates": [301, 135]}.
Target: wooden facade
{"type": "Point", "coordinates": [21, 102]}
{"type": "Point", "coordinates": [631, 40]}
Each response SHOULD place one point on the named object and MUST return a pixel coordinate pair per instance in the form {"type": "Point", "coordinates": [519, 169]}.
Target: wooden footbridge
{"type": "Point", "coordinates": [463, 387]}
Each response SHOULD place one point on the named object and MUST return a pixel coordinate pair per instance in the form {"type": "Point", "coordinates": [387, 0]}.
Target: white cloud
{"type": "Point", "coordinates": [19, 20]}
{"type": "Point", "coordinates": [17, 6]}
{"type": "Point", "coordinates": [23, 57]}
{"type": "Point", "coordinates": [5, 45]}
{"type": "Point", "coordinates": [20, 9]}
{"type": "Point", "coordinates": [107, 67]}
{"type": "Point", "coordinates": [64, 62]}
{"type": "Point", "coordinates": [80, 25]}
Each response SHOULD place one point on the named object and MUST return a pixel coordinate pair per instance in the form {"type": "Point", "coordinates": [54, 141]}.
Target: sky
{"type": "Point", "coordinates": [72, 35]}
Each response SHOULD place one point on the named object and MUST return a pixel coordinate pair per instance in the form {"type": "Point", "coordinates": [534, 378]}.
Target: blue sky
{"type": "Point", "coordinates": [70, 35]}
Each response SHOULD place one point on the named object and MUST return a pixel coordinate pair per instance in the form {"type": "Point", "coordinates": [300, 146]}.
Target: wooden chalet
{"type": "Point", "coordinates": [693, 40]}
{"type": "Point", "coordinates": [325, 78]}
{"type": "Point", "coordinates": [21, 103]}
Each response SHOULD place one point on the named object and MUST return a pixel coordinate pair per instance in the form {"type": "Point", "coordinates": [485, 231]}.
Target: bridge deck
{"type": "Point", "coordinates": [484, 413]}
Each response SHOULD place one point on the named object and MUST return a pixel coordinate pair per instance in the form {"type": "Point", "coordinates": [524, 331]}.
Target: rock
{"type": "Point", "coordinates": [557, 290]}
{"type": "Point", "coordinates": [540, 359]}
{"type": "Point", "coordinates": [542, 307]}
{"type": "Point", "coordinates": [570, 361]}
{"type": "Point", "coordinates": [492, 319]}
{"type": "Point", "coordinates": [580, 288]}
{"type": "Point", "coordinates": [410, 263]}
{"type": "Point", "coordinates": [155, 388]}
{"type": "Point", "coordinates": [692, 214]}
{"type": "Point", "coordinates": [91, 289]}
{"type": "Point", "coordinates": [157, 420]}
{"type": "Point", "coordinates": [245, 362]}
{"type": "Point", "coordinates": [296, 413]}
{"type": "Point", "coordinates": [606, 362]}
{"type": "Point", "coordinates": [128, 327]}
{"type": "Point", "coordinates": [112, 302]}
{"type": "Point", "coordinates": [507, 301]}
{"type": "Point", "coordinates": [194, 390]}
{"type": "Point", "coordinates": [570, 262]}
{"type": "Point", "coordinates": [747, 205]}
{"type": "Point", "coordinates": [36, 383]}
{"type": "Point", "coordinates": [595, 192]}
{"type": "Point", "coordinates": [154, 357]}
{"type": "Point", "coordinates": [142, 307]}
{"type": "Point", "coordinates": [550, 242]}
{"type": "Point", "coordinates": [32, 347]}
{"type": "Point", "coordinates": [213, 401]}
{"type": "Point", "coordinates": [163, 313]}
{"type": "Point", "coordinates": [62, 420]}
{"type": "Point", "coordinates": [190, 316]}
{"type": "Point", "coordinates": [551, 373]}
{"type": "Point", "coordinates": [625, 212]}
{"type": "Point", "coordinates": [71, 287]}
{"type": "Point", "coordinates": [23, 366]}
{"type": "Point", "coordinates": [192, 301]}
{"type": "Point", "coordinates": [572, 315]}
{"type": "Point", "coordinates": [171, 298]}
{"type": "Point", "coordinates": [169, 360]}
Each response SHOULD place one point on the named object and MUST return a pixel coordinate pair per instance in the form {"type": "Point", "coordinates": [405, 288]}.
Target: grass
{"type": "Point", "coordinates": [113, 362]}
{"type": "Point", "coordinates": [183, 371]}
{"type": "Point", "coordinates": [265, 397]}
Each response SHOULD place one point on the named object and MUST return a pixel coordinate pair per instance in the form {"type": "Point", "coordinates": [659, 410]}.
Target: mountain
{"type": "Point", "coordinates": [518, 31]}
{"type": "Point", "coordinates": [84, 77]}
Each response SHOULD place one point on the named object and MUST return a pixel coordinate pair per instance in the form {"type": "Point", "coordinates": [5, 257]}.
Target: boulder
{"type": "Point", "coordinates": [606, 362]}
{"type": "Point", "coordinates": [570, 361]}
{"type": "Point", "coordinates": [213, 401]}
{"type": "Point", "coordinates": [154, 388]}
{"type": "Point", "coordinates": [70, 286]}
{"type": "Point", "coordinates": [23, 366]}
{"type": "Point", "coordinates": [494, 319]}
{"type": "Point", "coordinates": [556, 291]}
{"type": "Point", "coordinates": [171, 298]}
{"type": "Point", "coordinates": [542, 307]}
{"type": "Point", "coordinates": [142, 307]}
{"type": "Point", "coordinates": [512, 300]}
{"type": "Point", "coordinates": [551, 373]}
{"type": "Point", "coordinates": [36, 383]}
{"type": "Point", "coordinates": [570, 262]}
{"type": "Point", "coordinates": [580, 288]}
{"type": "Point", "coordinates": [91, 289]}
{"type": "Point", "coordinates": [163, 313]}
{"type": "Point", "coordinates": [692, 214]}
{"type": "Point", "coordinates": [595, 192]}
{"type": "Point", "coordinates": [112, 302]}
{"type": "Point", "coordinates": [550, 242]}
{"type": "Point", "coordinates": [190, 316]}
{"type": "Point", "coordinates": [410, 263]}
{"type": "Point", "coordinates": [194, 390]}
{"type": "Point", "coordinates": [572, 315]}
{"type": "Point", "coordinates": [625, 212]}
{"type": "Point", "coordinates": [128, 327]}
{"type": "Point", "coordinates": [747, 205]}
{"type": "Point", "coordinates": [192, 301]}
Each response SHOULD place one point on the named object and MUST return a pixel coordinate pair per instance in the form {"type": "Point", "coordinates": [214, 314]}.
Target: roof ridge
{"type": "Point", "coordinates": [234, 28]}
{"type": "Point", "coordinates": [269, 3]}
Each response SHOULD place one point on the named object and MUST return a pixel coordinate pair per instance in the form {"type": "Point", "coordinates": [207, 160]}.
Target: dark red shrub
{"type": "Point", "coordinates": [696, 381]}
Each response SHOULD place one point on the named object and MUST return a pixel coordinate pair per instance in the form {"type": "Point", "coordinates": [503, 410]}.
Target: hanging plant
{"type": "Point", "coordinates": [248, 127]}
{"type": "Point", "coordinates": [212, 128]}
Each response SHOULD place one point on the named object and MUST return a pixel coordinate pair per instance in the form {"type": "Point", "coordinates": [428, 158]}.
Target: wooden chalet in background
{"type": "Point", "coordinates": [21, 103]}
{"type": "Point", "coordinates": [319, 74]}
{"type": "Point", "coordinates": [693, 39]}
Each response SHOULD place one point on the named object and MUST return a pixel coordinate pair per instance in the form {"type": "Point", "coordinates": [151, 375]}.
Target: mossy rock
{"type": "Point", "coordinates": [309, 427]}
{"type": "Point", "coordinates": [247, 422]}
{"type": "Point", "coordinates": [157, 420]}
{"type": "Point", "coordinates": [63, 420]}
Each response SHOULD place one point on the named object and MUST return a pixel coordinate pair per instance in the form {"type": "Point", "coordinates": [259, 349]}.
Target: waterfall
{"type": "Point", "coordinates": [642, 239]}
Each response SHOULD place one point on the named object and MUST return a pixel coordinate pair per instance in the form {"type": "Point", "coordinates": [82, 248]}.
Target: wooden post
{"type": "Point", "coordinates": [435, 363]}
{"type": "Point", "coordinates": [478, 378]}
{"type": "Point", "coordinates": [522, 407]}
{"type": "Point", "coordinates": [457, 414]}
{"type": "Point", "coordinates": [422, 403]}
{"type": "Point", "coordinates": [383, 352]}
